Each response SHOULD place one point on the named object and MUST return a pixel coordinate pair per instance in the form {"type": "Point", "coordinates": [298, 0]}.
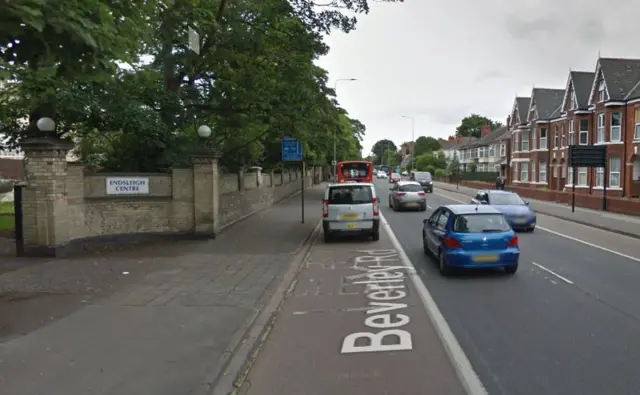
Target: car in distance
{"type": "Point", "coordinates": [517, 211]}
{"type": "Point", "coordinates": [350, 208]}
{"type": "Point", "coordinates": [470, 236]}
{"type": "Point", "coordinates": [381, 175]}
{"type": "Point", "coordinates": [407, 194]}
{"type": "Point", "coordinates": [425, 180]}
{"type": "Point", "coordinates": [394, 177]}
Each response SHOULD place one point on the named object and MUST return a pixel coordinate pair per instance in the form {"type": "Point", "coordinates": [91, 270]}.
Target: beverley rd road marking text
{"type": "Point", "coordinates": [383, 276]}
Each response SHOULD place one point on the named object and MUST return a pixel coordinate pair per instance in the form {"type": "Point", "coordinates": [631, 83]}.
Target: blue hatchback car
{"type": "Point", "coordinates": [517, 211]}
{"type": "Point", "coordinates": [470, 236]}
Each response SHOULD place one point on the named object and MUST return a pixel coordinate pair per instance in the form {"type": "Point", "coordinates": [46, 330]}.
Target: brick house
{"type": "Point", "coordinates": [517, 126]}
{"type": "Point", "coordinates": [543, 114]}
{"type": "Point", "coordinates": [572, 128]}
{"type": "Point", "coordinates": [614, 99]}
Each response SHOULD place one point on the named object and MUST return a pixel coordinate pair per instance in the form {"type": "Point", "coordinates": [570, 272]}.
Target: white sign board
{"type": "Point", "coordinates": [127, 185]}
{"type": "Point", "coordinates": [194, 41]}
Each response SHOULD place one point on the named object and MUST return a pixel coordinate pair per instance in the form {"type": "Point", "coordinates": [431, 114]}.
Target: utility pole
{"type": "Point", "coordinates": [335, 132]}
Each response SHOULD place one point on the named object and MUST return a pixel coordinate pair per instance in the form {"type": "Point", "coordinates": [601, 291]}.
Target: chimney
{"type": "Point", "coordinates": [459, 140]}
{"type": "Point", "coordinates": [509, 120]}
{"type": "Point", "coordinates": [451, 138]}
{"type": "Point", "coordinates": [485, 130]}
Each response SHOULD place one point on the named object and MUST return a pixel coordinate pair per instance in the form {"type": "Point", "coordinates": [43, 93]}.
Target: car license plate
{"type": "Point", "coordinates": [485, 258]}
{"type": "Point", "coordinates": [349, 216]}
{"type": "Point", "coordinates": [351, 225]}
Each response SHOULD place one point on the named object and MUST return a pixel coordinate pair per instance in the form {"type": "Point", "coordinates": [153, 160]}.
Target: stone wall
{"type": "Point", "coordinates": [66, 207]}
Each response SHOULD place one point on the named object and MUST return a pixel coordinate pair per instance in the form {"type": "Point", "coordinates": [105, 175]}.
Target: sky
{"type": "Point", "coordinates": [439, 61]}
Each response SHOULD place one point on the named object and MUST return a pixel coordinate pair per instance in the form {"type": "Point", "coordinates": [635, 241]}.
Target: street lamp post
{"type": "Point", "coordinates": [413, 141]}
{"type": "Point", "coordinates": [335, 132]}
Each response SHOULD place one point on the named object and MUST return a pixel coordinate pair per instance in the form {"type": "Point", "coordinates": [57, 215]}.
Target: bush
{"type": "Point", "coordinates": [441, 173]}
{"type": "Point", "coordinates": [431, 169]}
{"type": "Point", "coordinates": [6, 186]}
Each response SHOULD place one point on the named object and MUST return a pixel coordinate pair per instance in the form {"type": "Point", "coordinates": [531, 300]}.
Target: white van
{"type": "Point", "coordinates": [350, 209]}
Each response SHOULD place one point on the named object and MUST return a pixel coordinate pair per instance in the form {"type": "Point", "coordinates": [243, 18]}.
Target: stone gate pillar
{"type": "Point", "coordinates": [44, 198]}
{"type": "Point", "coordinates": [206, 194]}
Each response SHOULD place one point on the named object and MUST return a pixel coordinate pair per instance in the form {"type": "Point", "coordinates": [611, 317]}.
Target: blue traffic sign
{"type": "Point", "coordinates": [291, 150]}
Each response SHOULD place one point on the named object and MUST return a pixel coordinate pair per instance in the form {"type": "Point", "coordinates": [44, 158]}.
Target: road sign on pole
{"type": "Point", "coordinates": [291, 150]}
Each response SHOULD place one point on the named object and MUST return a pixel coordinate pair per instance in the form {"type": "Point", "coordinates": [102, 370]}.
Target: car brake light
{"type": "Point", "coordinates": [513, 242]}
{"type": "Point", "coordinates": [376, 206]}
{"type": "Point", "coordinates": [420, 193]}
{"type": "Point", "coordinates": [400, 193]}
{"type": "Point", "coordinates": [450, 242]}
{"type": "Point", "coordinates": [325, 208]}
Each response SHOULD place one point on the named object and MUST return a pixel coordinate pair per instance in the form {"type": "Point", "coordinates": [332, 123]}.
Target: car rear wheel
{"type": "Point", "coordinates": [375, 236]}
{"type": "Point", "coordinates": [327, 238]}
{"type": "Point", "coordinates": [511, 269]}
{"type": "Point", "coordinates": [445, 269]}
{"type": "Point", "coordinates": [423, 207]}
{"type": "Point", "coordinates": [531, 229]}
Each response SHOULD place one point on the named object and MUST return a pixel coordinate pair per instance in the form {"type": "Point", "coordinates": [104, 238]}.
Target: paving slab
{"type": "Point", "coordinates": [353, 324]}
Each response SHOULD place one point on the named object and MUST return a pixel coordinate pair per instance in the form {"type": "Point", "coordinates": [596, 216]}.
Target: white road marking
{"type": "Point", "coordinates": [466, 374]}
{"type": "Point", "coordinates": [567, 236]}
{"type": "Point", "coordinates": [429, 207]}
{"type": "Point", "coordinates": [566, 280]}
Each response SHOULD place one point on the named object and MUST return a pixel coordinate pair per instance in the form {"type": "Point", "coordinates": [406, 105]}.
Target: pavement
{"type": "Point", "coordinates": [618, 223]}
{"type": "Point", "coordinates": [566, 323]}
{"type": "Point", "coordinates": [156, 319]}
{"type": "Point", "coordinates": [354, 322]}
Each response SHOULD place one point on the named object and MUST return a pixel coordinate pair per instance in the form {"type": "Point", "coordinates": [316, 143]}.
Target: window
{"type": "Point", "coordinates": [582, 176]}
{"type": "Point", "coordinates": [599, 176]}
{"type": "Point", "coordinates": [614, 172]}
{"type": "Point", "coordinates": [601, 91]}
{"type": "Point", "coordinates": [534, 176]}
{"type": "Point", "coordinates": [616, 122]}
{"type": "Point", "coordinates": [525, 141]}
{"type": "Point", "coordinates": [503, 150]}
{"type": "Point", "coordinates": [543, 171]}
{"type": "Point", "coordinates": [555, 171]}
{"type": "Point", "coordinates": [636, 133]}
{"type": "Point", "coordinates": [584, 132]}
{"type": "Point", "coordinates": [571, 132]}
{"type": "Point", "coordinates": [564, 171]}
{"type": "Point", "coordinates": [443, 219]}
{"type": "Point", "coordinates": [600, 131]}
{"type": "Point", "coordinates": [570, 175]}
{"type": "Point", "coordinates": [543, 138]}
{"type": "Point", "coordinates": [347, 194]}
{"type": "Point", "coordinates": [573, 101]}
{"type": "Point", "coordinates": [524, 172]}
{"type": "Point", "coordinates": [480, 223]}
{"type": "Point", "coordinates": [556, 137]}
{"type": "Point", "coordinates": [492, 151]}
{"type": "Point", "coordinates": [533, 139]}
{"type": "Point", "coordinates": [562, 136]}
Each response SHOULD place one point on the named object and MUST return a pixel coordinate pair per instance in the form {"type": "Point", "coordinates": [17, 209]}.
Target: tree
{"type": "Point", "coordinates": [381, 146]}
{"type": "Point", "coordinates": [453, 167]}
{"type": "Point", "coordinates": [426, 144]}
{"type": "Point", "coordinates": [472, 125]}
{"type": "Point", "coordinates": [436, 161]}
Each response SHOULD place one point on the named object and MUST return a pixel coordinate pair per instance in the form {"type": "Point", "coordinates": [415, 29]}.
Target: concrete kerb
{"type": "Point", "coordinates": [577, 221]}
{"type": "Point", "coordinates": [258, 328]}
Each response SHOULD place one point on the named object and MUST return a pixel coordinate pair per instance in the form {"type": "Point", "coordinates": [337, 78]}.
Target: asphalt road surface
{"type": "Point", "coordinates": [567, 323]}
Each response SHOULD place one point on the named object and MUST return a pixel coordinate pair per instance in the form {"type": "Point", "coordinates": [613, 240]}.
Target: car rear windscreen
{"type": "Point", "coordinates": [423, 175]}
{"type": "Point", "coordinates": [480, 223]}
{"type": "Point", "coordinates": [350, 194]}
{"type": "Point", "coordinates": [410, 188]}
{"type": "Point", "coordinates": [505, 199]}
{"type": "Point", "coordinates": [355, 170]}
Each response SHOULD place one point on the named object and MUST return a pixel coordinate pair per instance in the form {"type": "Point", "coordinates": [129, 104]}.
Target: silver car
{"type": "Point", "coordinates": [350, 208]}
{"type": "Point", "coordinates": [407, 194]}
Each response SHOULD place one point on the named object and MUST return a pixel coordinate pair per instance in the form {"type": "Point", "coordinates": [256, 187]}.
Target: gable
{"type": "Point", "coordinates": [599, 77]}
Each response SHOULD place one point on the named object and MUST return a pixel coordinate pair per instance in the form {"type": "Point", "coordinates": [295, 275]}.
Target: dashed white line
{"type": "Point", "coordinates": [566, 280]}
{"type": "Point", "coordinates": [566, 236]}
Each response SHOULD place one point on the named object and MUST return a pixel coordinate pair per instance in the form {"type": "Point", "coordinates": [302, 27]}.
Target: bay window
{"type": "Point", "coordinates": [616, 125]}
{"type": "Point", "coordinates": [600, 128]}
{"type": "Point", "coordinates": [614, 172]}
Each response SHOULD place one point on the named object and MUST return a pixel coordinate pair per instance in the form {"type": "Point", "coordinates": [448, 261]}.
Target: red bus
{"type": "Point", "coordinates": [355, 170]}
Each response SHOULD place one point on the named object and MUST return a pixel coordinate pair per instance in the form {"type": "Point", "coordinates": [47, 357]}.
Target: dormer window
{"type": "Point", "coordinates": [601, 91]}
{"type": "Point", "coordinates": [574, 105]}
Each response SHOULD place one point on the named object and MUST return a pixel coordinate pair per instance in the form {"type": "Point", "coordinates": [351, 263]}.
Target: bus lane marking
{"type": "Point", "coordinates": [384, 278]}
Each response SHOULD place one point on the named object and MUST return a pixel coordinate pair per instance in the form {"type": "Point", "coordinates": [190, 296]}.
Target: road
{"type": "Point", "coordinates": [567, 323]}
